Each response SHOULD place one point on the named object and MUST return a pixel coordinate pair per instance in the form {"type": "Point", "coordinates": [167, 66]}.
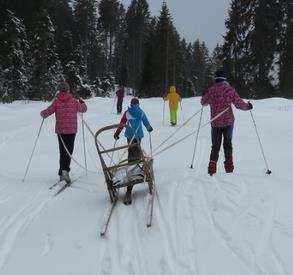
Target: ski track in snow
{"type": "Point", "coordinates": [224, 225]}
{"type": "Point", "coordinates": [17, 223]}
{"type": "Point", "coordinates": [260, 261]}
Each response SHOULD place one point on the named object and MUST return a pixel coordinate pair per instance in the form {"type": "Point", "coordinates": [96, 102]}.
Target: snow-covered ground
{"type": "Point", "coordinates": [237, 224]}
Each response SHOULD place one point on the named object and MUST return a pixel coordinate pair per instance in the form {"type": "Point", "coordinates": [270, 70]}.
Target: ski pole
{"type": "Point", "coordinates": [151, 144]}
{"type": "Point", "coordinates": [196, 140]}
{"type": "Point", "coordinates": [34, 148]}
{"type": "Point", "coordinates": [260, 143]}
{"type": "Point", "coordinates": [84, 145]}
{"type": "Point", "coordinates": [164, 113]}
{"type": "Point", "coordinates": [182, 115]}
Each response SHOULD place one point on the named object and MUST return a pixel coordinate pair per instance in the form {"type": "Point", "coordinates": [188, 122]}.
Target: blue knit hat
{"type": "Point", "coordinates": [220, 75]}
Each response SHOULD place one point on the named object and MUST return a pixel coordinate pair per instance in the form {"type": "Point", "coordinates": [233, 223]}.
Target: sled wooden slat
{"type": "Point", "coordinates": [116, 149]}
{"type": "Point", "coordinates": [130, 183]}
{"type": "Point", "coordinates": [116, 167]}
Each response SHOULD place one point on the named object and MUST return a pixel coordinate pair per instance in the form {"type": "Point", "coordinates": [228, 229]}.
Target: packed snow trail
{"type": "Point", "coordinates": [235, 224]}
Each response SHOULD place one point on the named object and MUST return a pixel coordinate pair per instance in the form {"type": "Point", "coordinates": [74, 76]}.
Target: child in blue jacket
{"type": "Point", "coordinates": [132, 120]}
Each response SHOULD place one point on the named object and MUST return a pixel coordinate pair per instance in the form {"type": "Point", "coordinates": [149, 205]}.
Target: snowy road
{"type": "Point", "coordinates": [240, 224]}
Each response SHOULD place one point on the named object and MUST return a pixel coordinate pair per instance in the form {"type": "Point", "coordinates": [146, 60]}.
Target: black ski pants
{"type": "Point", "coordinates": [218, 133]}
{"type": "Point", "coordinates": [65, 159]}
{"type": "Point", "coordinates": [119, 105]}
{"type": "Point", "coordinates": [134, 152]}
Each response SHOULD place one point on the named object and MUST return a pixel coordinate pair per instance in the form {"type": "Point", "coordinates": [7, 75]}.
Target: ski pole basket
{"type": "Point", "coordinates": [124, 173]}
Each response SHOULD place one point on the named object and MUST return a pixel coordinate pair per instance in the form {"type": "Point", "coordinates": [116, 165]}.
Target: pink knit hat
{"type": "Point", "coordinates": [134, 101]}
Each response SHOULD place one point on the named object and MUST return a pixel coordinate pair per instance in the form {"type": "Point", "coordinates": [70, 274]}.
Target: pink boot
{"type": "Point", "coordinates": [212, 168]}
{"type": "Point", "coordinates": [229, 166]}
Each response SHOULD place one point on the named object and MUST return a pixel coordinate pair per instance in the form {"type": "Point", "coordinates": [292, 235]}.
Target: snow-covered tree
{"type": "Point", "coordinates": [46, 67]}
{"type": "Point", "coordinates": [14, 58]}
{"type": "Point", "coordinates": [251, 44]}
{"type": "Point", "coordinates": [286, 73]}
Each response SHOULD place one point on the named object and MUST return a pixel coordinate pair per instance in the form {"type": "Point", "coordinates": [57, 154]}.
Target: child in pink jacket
{"type": "Point", "coordinates": [220, 97]}
{"type": "Point", "coordinates": [65, 107]}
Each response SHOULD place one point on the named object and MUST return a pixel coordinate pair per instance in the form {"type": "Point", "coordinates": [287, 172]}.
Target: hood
{"type": "Point", "coordinates": [135, 112]}
{"type": "Point", "coordinates": [172, 89]}
{"type": "Point", "coordinates": [64, 96]}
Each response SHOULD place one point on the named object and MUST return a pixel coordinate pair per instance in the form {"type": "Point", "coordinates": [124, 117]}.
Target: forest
{"type": "Point", "coordinates": [95, 45]}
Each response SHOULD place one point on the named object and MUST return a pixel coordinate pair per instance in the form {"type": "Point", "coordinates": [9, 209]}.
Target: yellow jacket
{"type": "Point", "coordinates": [174, 98]}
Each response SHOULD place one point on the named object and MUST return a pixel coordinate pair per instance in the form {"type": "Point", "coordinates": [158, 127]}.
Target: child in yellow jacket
{"type": "Point", "coordinates": [174, 98]}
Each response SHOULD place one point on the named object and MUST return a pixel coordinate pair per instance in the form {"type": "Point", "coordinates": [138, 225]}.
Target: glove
{"type": "Point", "coordinates": [250, 106]}
{"type": "Point", "coordinates": [42, 115]}
{"type": "Point", "coordinates": [116, 136]}
{"type": "Point", "coordinates": [150, 129]}
{"type": "Point", "coordinates": [81, 101]}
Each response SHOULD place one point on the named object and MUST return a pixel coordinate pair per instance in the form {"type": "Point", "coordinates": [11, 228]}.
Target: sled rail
{"type": "Point", "coordinates": [129, 180]}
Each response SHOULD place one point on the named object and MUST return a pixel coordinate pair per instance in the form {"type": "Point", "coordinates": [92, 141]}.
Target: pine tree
{"type": "Point", "coordinates": [120, 69]}
{"type": "Point", "coordinates": [201, 68]}
{"type": "Point", "coordinates": [164, 59]}
{"type": "Point", "coordinates": [237, 45]}
{"type": "Point", "coordinates": [66, 39]}
{"type": "Point", "coordinates": [86, 26]}
{"type": "Point", "coordinates": [287, 51]}
{"type": "Point", "coordinates": [188, 81]}
{"type": "Point", "coordinates": [108, 25]}
{"type": "Point", "coordinates": [14, 58]}
{"type": "Point", "coordinates": [145, 87]}
{"type": "Point", "coordinates": [251, 46]}
{"type": "Point", "coordinates": [46, 67]}
{"type": "Point", "coordinates": [264, 39]}
{"type": "Point", "coordinates": [25, 10]}
{"type": "Point", "coordinates": [137, 21]}
{"type": "Point", "coordinates": [217, 58]}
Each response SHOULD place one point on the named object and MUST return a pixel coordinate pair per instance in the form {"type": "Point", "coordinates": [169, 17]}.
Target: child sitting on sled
{"type": "Point", "coordinates": [220, 97]}
{"type": "Point", "coordinates": [132, 120]}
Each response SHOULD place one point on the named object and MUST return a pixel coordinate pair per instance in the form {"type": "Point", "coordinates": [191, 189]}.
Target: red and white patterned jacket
{"type": "Point", "coordinates": [65, 108]}
{"type": "Point", "coordinates": [219, 97]}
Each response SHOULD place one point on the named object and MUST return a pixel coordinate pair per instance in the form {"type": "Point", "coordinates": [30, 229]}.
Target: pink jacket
{"type": "Point", "coordinates": [65, 108]}
{"type": "Point", "coordinates": [219, 97]}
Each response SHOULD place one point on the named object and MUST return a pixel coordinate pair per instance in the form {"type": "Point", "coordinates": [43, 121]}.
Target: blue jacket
{"type": "Point", "coordinates": [133, 119]}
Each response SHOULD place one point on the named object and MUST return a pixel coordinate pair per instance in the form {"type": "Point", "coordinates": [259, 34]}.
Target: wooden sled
{"type": "Point", "coordinates": [111, 171]}
{"type": "Point", "coordinates": [146, 175]}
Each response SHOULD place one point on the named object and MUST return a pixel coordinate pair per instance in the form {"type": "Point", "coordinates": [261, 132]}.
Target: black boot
{"type": "Point", "coordinates": [128, 196]}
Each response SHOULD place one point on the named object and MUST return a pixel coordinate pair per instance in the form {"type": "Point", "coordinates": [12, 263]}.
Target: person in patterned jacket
{"type": "Point", "coordinates": [65, 107]}
{"type": "Point", "coordinates": [220, 97]}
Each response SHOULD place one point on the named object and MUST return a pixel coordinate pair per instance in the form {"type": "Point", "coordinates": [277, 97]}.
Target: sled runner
{"type": "Point", "coordinates": [125, 173]}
